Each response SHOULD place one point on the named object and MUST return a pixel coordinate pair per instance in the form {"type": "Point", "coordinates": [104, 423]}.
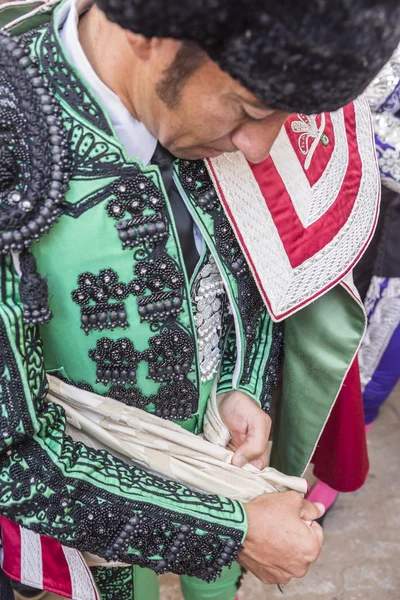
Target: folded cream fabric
{"type": "Point", "coordinates": [165, 448]}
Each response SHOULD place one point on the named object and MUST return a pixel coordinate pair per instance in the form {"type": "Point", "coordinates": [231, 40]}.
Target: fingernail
{"type": "Point", "coordinates": [321, 507]}
{"type": "Point", "coordinates": [240, 461]}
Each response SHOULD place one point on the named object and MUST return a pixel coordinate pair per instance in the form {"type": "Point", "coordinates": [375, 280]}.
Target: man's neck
{"type": "Point", "coordinates": [105, 58]}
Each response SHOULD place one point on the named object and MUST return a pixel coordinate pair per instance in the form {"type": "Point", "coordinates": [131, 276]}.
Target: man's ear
{"type": "Point", "coordinates": [141, 46]}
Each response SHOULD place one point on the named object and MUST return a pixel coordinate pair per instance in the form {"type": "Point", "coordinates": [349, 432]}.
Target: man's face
{"type": "Point", "coordinates": [214, 113]}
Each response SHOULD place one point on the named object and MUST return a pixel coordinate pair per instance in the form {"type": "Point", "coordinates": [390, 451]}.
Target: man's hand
{"type": "Point", "coordinates": [283, 538]}
{"type": "Point", "coordinates": [249, 427]}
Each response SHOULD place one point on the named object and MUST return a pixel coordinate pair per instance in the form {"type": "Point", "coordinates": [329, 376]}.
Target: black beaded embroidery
{"type": "Point", "coordinates": [170, 356]}
{"type": "Point", "coordinates": [137, 196]}
{"type": "Point", "coordinates": [136, 204]}
{"type": "Point", "coordinates": [130, 396]}
{"type": "Point", "coordinates": [159, 276]}
{"type": "Point", "coordinates": [271, 374]}
{"type": "Point", "coordinates": [111, 526]}
{"type": "Point", "coordinates": [116, 361]}
{"type": "Point", "coordinates": [65, 82]}
{"type": "Point", "coordinates": [94, 294]}
{"type": "Point", "coordinates": [250, 307]}
{"type": "Point", "coordinates": [158, 284]}
{"type": "Point", "coordinates": [35, 165]}
{"type": "Point", "coordinates": [179, 544]}
{"type": "Point", "coordinates": [147, 232]}
{"type": "Point", "coordinates": [176, 401]}
{"type": "Point", "coordinates": [33, 291]}
{"type": "Point", "coordinates": [167, 402]}
{"type": "Point", "coordinates": [114, 584]}
{"type": "Point", "coordinates": [197, 183]}
{"type": "Point", "coordinates": [84, 514]}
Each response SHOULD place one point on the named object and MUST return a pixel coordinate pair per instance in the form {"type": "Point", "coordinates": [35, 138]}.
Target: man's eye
{"type": "Point", "coordinates": [246, 117]}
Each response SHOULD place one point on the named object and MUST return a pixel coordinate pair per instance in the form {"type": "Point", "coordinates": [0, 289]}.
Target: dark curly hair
{"type": "Point", "coordinates": [296, 55]}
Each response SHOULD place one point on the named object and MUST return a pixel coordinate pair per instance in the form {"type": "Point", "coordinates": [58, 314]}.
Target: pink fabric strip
{"type": "Point", "coordinates": [56, 573]}
{"type": "Point", "coordinates": [11, 539]}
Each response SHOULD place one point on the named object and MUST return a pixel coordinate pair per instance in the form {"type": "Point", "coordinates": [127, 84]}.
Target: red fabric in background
{"type": "Point", "coordinates": [341, 457]}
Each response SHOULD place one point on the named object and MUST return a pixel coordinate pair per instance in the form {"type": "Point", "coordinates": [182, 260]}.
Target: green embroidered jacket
{"type": "Point", "coordinates": [127, 324]}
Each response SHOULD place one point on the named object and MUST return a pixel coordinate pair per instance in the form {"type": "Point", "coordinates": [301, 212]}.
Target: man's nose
{"type": "Point", "coordinates": [255, 138]}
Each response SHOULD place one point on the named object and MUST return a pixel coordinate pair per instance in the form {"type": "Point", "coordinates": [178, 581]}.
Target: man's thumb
{"type": "Point", "coordinates": [312, 510]}
{"type": "Point", "coordinates": [239, 460]}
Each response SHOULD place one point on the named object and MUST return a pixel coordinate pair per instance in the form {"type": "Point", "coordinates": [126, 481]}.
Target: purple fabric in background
{"type": "Point", "coordinates": [384, 379]}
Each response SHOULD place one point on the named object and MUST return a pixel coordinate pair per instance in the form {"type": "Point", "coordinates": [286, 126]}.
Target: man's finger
{"type": "Point", "coordinates": [318, 532]}
{"type": "Point", "coordinates": [260, 463]}
{"type": "Point", "coordinates": [311, 510]}
{"type": "Point", "coordinates": [254, 446]}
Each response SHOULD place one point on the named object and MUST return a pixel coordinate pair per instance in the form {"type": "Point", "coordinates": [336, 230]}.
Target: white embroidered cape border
{"type": "Point", "coordinates": [286, 289]}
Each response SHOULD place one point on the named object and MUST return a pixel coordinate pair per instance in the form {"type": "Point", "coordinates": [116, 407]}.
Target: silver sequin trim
{"type": "Point", "coordinates": [208, 299]}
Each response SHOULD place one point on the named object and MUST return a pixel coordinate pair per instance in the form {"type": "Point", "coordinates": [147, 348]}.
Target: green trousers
{"type": "Point", "coordinates": [134, 583]}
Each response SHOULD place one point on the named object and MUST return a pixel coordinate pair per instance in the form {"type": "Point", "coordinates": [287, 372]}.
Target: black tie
{"type": "Point", "coordinates": [183, 220]}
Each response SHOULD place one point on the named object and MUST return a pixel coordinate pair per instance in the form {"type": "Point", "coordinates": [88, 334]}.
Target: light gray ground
{"type": "Point", "coordinates": [361, 555]}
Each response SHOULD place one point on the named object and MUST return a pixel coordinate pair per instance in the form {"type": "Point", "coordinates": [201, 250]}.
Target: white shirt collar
{"type": "Point", "coordinates": [137, 140]}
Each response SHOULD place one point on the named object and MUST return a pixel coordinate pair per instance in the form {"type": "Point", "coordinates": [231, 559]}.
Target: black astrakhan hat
{"type": "Point", "coordinates": [297, 55]}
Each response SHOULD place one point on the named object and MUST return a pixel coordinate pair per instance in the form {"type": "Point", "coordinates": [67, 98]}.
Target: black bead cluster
{"type": "Point", "coordinates": [34, 167]}
{"type": "Point", "coordinates": [116, 361]}
{"type": "Point", "coordinates": [9, 170]}
{"type": "Point", "coordinates": [205, 193]}
{"type": "Point", "coordinates": [132, 529]}
{"type": "Point", "coordinates": [272, 371]}
{"type": "Point", "coordinates": [100, 289]}
{"type": "Point", "coordinates": [170, 356]}
{"type": "Point", "coordinates": [183, 549]}
{"type": "Point", "coordinates": [208, 200]}
{"type": "Point", "coordinates": [229, 247]}
{"type": "Point", "coordinates": [130, 396]}
{"type": "Point", "coordinates": [251, 306]}
{"type": "Point", "coordinates": [33, 291]}
{"type": "Point", "coordinates": [101, 316]}
{"type": "Point", "coordinates": [184, 542]}
{"type": "Point", "coordinates": [197, 182]}
{"type": "Point", "coordinates": [36, 163]}
{"type": "Point", "coordinates": [159, 307]}
{"type": "Point", "coordinates": [176, 401]}
{"type": "Point", "coordinates": [133, 232]}
{"type": "Point", "coordinates": [158, 275]}
{"type": "Point", "coordinates": [195, 177]}
{"type": "Point", "coordinates": [135, 195]}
